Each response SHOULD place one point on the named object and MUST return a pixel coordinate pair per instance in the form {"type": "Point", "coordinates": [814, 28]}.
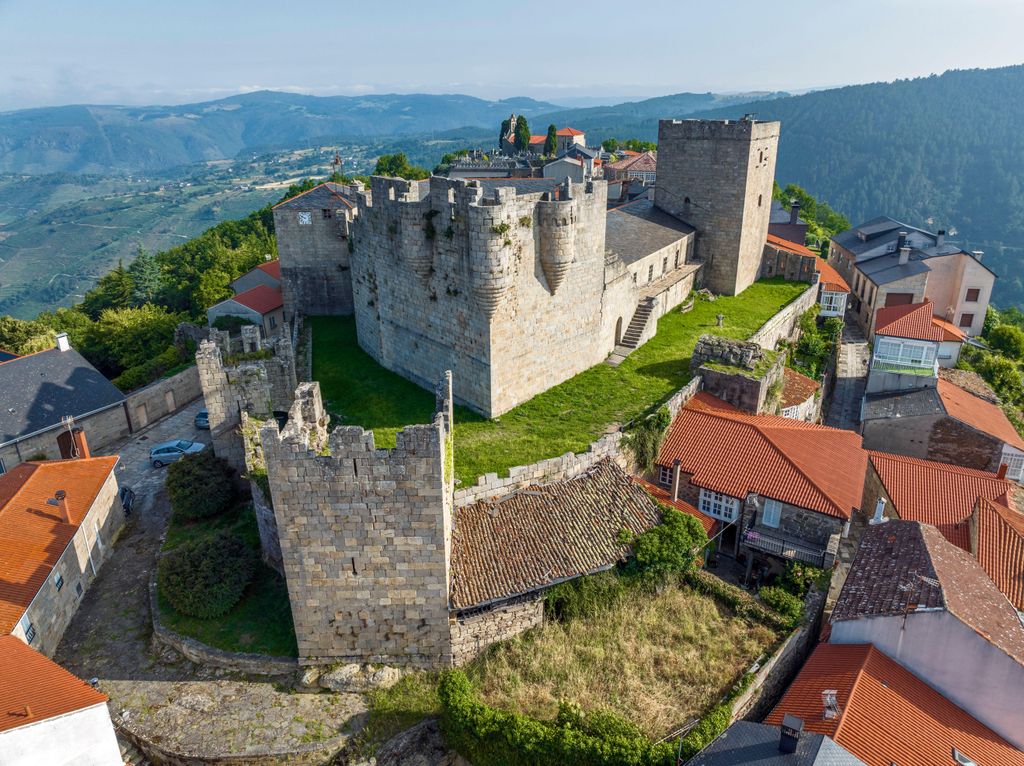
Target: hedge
{"type": "Point", "coordinates": [143, 374]}
{"type": "Point", "coordinates": [200, 485]}
{"type": "Point", "coordinates": [206, 578]}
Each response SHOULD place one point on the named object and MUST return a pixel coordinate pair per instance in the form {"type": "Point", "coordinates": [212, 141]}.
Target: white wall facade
{"type": "Point", "coordinates": [833, 304]}
{"type": "Point", "coordinates": [82, 738]}
{"type": "Point", "coordinates": [952, 658]}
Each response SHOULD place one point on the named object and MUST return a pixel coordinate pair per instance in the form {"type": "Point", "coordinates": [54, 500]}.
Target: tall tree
{"type": "Point", "coordinates": [145, 274]}
{"type": "Point", "coordinates": [397, 166]}
{"type": "Point", "coordinates": [112, 291]}
{"type": "Point", "coordinates": [522, 134]}
{"type": "Point", "coordinates": [551, 141]}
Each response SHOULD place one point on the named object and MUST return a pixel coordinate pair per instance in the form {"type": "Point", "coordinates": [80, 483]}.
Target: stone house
{"type": "Point", "coordinates": [801, 397]}
{"type": "Point", "coordinates": [786, 224]}
{"type": "Point", "coordinates": [980, 512]}
{"type": "Point", "coordinates": [262, 305]}
{"type": "Point", "coordinates": [267, 273]}
{"type": "Point", "coordinates": [931, 607]}
{"type": "Point", "coordinates": [958, 421]}
{"type": "Point", "coordinates": [50, 716]}
{"type": "Point", "coordinates": [58, 523]}
{"type": "Point", "coordinates": [783, 489]}
{"type": "Point", "coordinates": [888, 263]}
{"type": "Point", "coordinates": [740, 373]}
{"type": "Point", "coordinates": [43, 390]}
{"type": "Point", "coordinates": [579, 170]}
{"type": "Point", "coordinates": [794, 261]}
{"type": "Point", "coordinates": [884, 712]}
{"type": "Point", "coordinates": [640, 167]}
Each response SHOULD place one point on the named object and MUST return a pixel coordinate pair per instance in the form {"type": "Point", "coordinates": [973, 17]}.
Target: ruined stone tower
{"type": "Point", "coordinates": [717, 175]}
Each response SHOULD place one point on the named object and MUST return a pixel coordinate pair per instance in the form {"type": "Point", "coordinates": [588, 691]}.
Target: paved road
{"type": "Point", "coordinates": [851, 378]}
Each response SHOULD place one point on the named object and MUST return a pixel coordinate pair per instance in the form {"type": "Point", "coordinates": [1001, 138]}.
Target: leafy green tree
{"type": "Point", "coordinates": [522, 134]}
{"type": "Point", "coordinates": [145, 275]}
{"type": "Point", "coordinates": [1008, 339]}
{"type": "Point", "coordinates": [397, 166]}
{"type": "Point", "coordinates": [112, 291]}
{"type": "Point", "coordinates": [504, 130]}
{"type": "Point", "coordinates": [610, 145]}
{"type": "Point", "coordinates": [636, 145]}
{"type": "Point", "coordinates": [132, 334]}
{"type": "Point", "coordinates": [551, 141]}
{"type": "Point", "coordinates": [672, 547]}
{"type": "Point", "coordinates": [16, 334]}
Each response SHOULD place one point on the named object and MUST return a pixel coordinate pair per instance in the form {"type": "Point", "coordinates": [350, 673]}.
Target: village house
{"type": "Point", "coordinates": [796, 261]}
{"type": "Point", "coordinates": [746, 743]}
{"type": "Point", "coordinates": [801, 397]}
{"type": "Point", "coordinates": [930, 606]}
{"type": "Point", "coordinates": [786, 223]}
{"type": "Point", "coordinates": [49, 716]}
{"type": "Point", "coordinates": [886, 714]}
{"type": "Point", "coordinates": [979, 512]}
{"type": "Point", "coordinates": [578, 169]}
{"type": "Point", "coordinates": [267, 273]}
{"type": "Point", "coordinates": [58, 523]}
{"type": "Point", "coordinates": [261, 305]}
{"type": "Point", "coordinates": [910, 343]}
{"type": "Point", "coordinates": [888, 263]}
{"type": "Point", "coordinates": [42, 391]}
{"type": "Point", "coordinates": [780, 488]}
{"type": "Point", "coordinates": [641, 167]}
{"type": "Point", "coordinates": [956, 420]}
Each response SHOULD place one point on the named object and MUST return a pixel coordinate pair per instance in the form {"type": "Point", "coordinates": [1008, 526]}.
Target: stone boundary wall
{"type": "Point", "coordinates": [474, 634]}
{"type": "Point", "coordinates": [492, 487]}
{"type": "Point", "coordinates": [200, 653]}
{"type": "Point", "coordinates": [163, 397]}
{"type": "Point", "coordinates": [781, 326]}
{"type": "Point", "coordinates": [312, 754]}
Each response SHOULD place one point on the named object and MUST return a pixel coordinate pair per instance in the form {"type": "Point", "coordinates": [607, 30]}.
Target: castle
{"type": "Point", "coordinates": [516, 285]}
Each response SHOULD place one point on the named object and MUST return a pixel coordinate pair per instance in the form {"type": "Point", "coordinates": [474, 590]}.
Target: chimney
{"type": "Point", "coordinates": [60, 499]}
{"type": "Point", "coordinates": [940, 238]}
{"type": "Point", "coordinates": [73, 444]}
{"type": "Point", "coordinates": [789, 733]}
{"type": "Point", "coordinates": [63, 344]}
{"type": "Point", "coordinates": [879, 517]}
{"type": "Point", "coordinates": [904, 255]}
{"type": "Point", "coordinates": [901, 240]}
{"type": "Point", "coordinates": [978, 255]}
{"type": "Point", "coordinates": [1002, 471]}
{"type": "Point", "coordinates": [794, 211]}
{"type": "Point", "coordinates": [675, 479]}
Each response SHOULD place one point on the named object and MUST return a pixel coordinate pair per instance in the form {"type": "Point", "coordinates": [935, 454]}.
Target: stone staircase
{"type": "Point", "coordinates": [634, 332]}
{"type": "Point", "coordinates": [130, 753]}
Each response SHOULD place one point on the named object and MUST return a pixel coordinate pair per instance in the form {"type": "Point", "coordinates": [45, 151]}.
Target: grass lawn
{"type": "Point", "coordinates": [657, 660]}
{"type": "Point", "coordinates": [357, 391]}
{"type": "Point", "coordinates": [262, 621]}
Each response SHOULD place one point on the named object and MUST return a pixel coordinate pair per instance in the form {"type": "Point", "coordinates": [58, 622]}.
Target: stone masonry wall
{"type": "Point", "coordinates": [472, 635]}
{"type": "Point", "coordinates": [102, 429]}
{"type": "Point", "coordinates": [365, 537]}
{"type": "Point", "coordinates": [717, 176]}
{"type": "Point", "coordinates": [953, 442]}
{"type": "Point", "coordinates": [158, 400]}
{"type": "Point", "coordinates": [783, 325]}
{"type": "Point", "coordinates": [794, 267]}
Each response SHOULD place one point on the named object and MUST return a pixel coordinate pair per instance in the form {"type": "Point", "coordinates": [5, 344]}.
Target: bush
{"type": "Point", "coordinates": [644, 438]}
{"type": "Point", "coordinates": [206, 578]}
{"type": "Point", "coordinates": [231, 324]}
{"type": "Point", "coordinates": [1007, 339]}
{"type": "Point", "coordinates": [145, 373]}
{"type": "Point", "coordinates": [200, 485]}
{"type": "Point", "coordinates": [714, 722]}
{"type": "Point", "coordinates": [672, 547]}
{"type": "Point", "coordinates": [790, 607]}
{"type": "Point", "coordinates": [584, 596]}
{"type": "Point", "coordinates": [799, 577]}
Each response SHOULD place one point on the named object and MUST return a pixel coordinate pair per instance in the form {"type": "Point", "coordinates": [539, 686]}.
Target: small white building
{"type": "Point", "coordinates": [262, 305]}
{"type": "Point", "coordinates": [48, 716]}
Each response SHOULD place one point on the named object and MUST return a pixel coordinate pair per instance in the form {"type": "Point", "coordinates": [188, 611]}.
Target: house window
{"type": "Point", "coordinates": [905, 353]}
{"type": "Point", "coordinates": [28, 629]}
{"type": "Point", "coordinates": [664, 264]}
{"type": "Point", "coordinates": [833, 302]}
{"type": "Point", "coordinates": [677, 259]}
{"type": "Point", "coordinates": [305, 219]}
{"type": "Point", "coordinates": [664, 475]}
{"type": "Point", "coordinates": [634, 277]}
{"type": "Point", "coordinates": [1014, 465]}
{"type": "Point", "coordinates": [718, 505]}
{"type": "Point", "coordinates": [650, 273]}
{"type": "Point", "coordinates": [273, 322]}
{"type": "Point", "coordinates": [327, 213]}
{"type": "Point", "coordinates": [973, 294]}
{"type": "Point", "coordinates": [58, 581]}
{"type": "Point", "coordinates": [79, 590]}
{"type": "Point", "coordinates": [772, 513]}
{"type": "Point", "coordinates": [966, 320]}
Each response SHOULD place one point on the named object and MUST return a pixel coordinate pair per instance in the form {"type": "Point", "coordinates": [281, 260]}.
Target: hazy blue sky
{"type": "Point", "coordinates": [140, 51]}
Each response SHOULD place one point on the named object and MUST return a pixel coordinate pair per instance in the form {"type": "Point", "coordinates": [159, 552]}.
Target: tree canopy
{"type": "Point", "coordinates": [522, 134]}
{"type": "Point", "coordinates": [397, 166]}
{"type": "Point", "coordinates": [551, 141]}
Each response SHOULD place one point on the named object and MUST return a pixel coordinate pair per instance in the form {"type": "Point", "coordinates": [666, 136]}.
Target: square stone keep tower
{"type": "Point", "coordinates": [717, 176]}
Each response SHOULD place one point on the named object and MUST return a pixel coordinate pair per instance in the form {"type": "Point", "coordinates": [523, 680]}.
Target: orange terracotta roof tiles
{"type": "Point", "coordinates": [887, 714]}
{"type": "Point", "coordinates": [32, 534]}
{"type": "Point", "coordinates": [912, 321]}
{"type": "Point", "coordinates": [262, 299]}
{"type": "Point", "coordinates": [640, 163]}
{"type": "Point", "coordinates": [34, 688]}
{"type": "Point", "coordinates": [950, 332]}
{"type": "Point", "coordinates": [273, 268]}
{"type": "Point", "coordinates": [1000, 535]}
{"type": "Point", "coordinates": [793, 247]}
{"type": "Point", "coordinates": [831, 280]}
{"type": "Point", "coordinates": [978, 413]}
{"type": "Point", "coordinates": [538, 139]}
{"type": "Point", "coordinates": [935, 493]}
{"type": "Point", "coordinates": [569, 132]}
{"type": "Point", "coordinates": [663, 496]}
{"type": "Point", "coordinates": [805, 464]}
{"type": "Point", "coordinates": [797, 388]}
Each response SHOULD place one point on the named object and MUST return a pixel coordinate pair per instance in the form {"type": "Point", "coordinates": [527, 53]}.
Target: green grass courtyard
{"type": "Point", "coordinates": [358, 391]}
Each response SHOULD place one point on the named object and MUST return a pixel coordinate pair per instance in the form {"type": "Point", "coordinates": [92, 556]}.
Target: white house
{"type": "Point", "coordinates": [48, 716]}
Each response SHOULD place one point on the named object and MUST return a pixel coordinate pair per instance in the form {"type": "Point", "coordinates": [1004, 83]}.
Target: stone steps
{"type": "Point", "coordinates": [630, 339]}
{"type": "Point", "coordinates": [130, 753]}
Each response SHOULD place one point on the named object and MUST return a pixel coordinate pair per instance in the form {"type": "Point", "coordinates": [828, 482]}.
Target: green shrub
{"type": "Point", "coordinates": [741, 602]}
{"type": "Point", "coordinates": [150, 370]}
{"type": "Point", "coordinates": [785, 603]}
{"type": "Point", "coordinates": [714, 722]}
{"type": "Point", "coordinates": [799, 577]}
{"type": "Point", "coordinates": [206, 578]}
{"type": "Point", "coordinates": [231, 324]}
{"type": "Point", "coordinates": [584, 596]}
{"type": "Point", "coordinates": [644, 438]}
{"type": "Point", "coordinates": [1008, 339]}
{"type": "Point", "coordinates": [200, 485]}
{"type": "Point", "coordinates": [672, 547]}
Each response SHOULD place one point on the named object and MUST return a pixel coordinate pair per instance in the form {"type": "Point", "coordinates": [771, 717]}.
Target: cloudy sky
{"type": "Point", "coordinates": [144, 52]}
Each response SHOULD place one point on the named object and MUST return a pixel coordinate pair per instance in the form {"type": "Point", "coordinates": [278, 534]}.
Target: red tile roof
{"type": "Point", "coordinates": [793, 247]}
{"type": "Point", "coordinates": [831, 280]}
{"type": "Point", "coordinates": [939, 494]}
{"type": "Point", "coordinates": [949, 330]}
{"type": "Point", "coordinates": [978, 413]}
{"type": "Point", "coordinates": [273, 268]}
{"type": "Point", "coordinates": [32, 534]}
{"type": "Point", "coordinates": [663, 496]}
{"type": "Point", "coordinates": [1001, 548]}
{"type": "Point", "coordinates": [33, 688]}
{"type": "Point", "coordinates": [538, 139]}
{"type": "Point", "coordinates": [797, 388]}
{"type": "Point", "coordinates": [912, 321]}
{"type": "Point", "coordinates": [262, 299]}
{"type": "Point", "coordinates": [569, 132]}
{"type": "Point", "coordinates": [886, 714]}
{"type": "Point", "coordinates": [805, 464]}
{"type": "Point", "coordinates": [640, 163]}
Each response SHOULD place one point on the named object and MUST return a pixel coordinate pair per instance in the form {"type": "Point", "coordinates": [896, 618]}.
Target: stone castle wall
{"type": "Point", "coordinates": [784, 324]}
{"type": "Point", "coordinates": [446, 278]}
{"type": "Point", "coordinates": [717, 176]}
{"type": "Point", "coordinates": [472, 635]}
{"type": "Point", "coordinates": [365, 537]}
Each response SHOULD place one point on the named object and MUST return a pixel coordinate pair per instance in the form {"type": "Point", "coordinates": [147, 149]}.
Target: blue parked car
{"type": "Point", "coordinates": [202, 420]}
{"type": "Point", "coordinates": [168, 452]}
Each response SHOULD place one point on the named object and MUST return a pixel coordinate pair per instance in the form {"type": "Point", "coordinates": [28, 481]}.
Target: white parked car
{"type": "Point", "coordinates": [168, 452]}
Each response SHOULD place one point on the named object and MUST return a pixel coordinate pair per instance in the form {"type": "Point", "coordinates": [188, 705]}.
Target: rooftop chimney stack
{"type": "Point", "coordinates": [676, 468]}
{"type": "Point", "coordinates": [879, 517]}
{"type": "Point", "coordinates": [794, 211]}
{"type": "Point", "coordinates": [789, 733]}
{"type": "Point", "coordinates": [904, 255]}
{"type": "Point", "coordinates": [62, 503]}
{"type": "Point", "coordinates": [1003, 467]}
{"type": "Point", "coordinates": [978, 255]}
{"type": "Point", "coordinates": [901, 240]}
{"type": "Point", "coordinates": [940, 238]}
{"type": "Point", "coordinates": [63, 344]}
{"type": "Point", "coordinates": [73, 444]}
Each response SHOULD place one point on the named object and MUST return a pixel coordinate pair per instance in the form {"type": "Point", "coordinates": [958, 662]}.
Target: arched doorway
{"type": "Point", "coordinates": [618, 331]}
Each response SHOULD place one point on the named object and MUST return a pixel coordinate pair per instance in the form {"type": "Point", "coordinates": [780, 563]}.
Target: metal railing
{"type": "Point", "coordinates": [784, 547]}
